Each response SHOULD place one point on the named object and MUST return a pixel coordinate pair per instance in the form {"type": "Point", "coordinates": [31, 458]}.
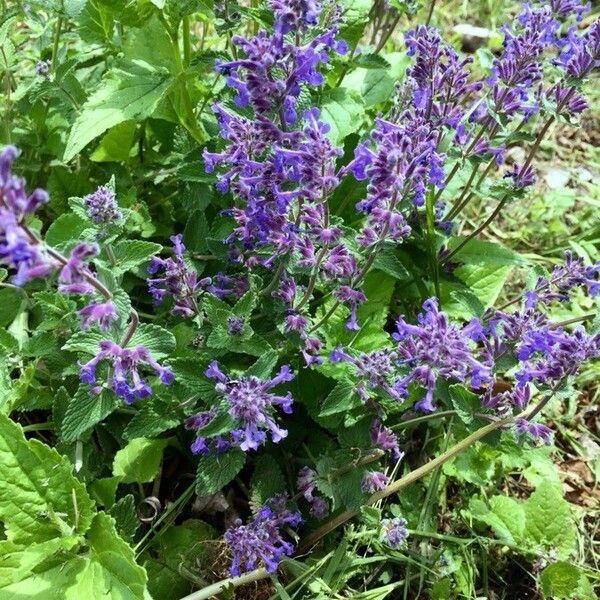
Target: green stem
{"type": "Point", "coordinates": [403, 482]}
{"type": "Point", "coordinates": [424, 418]}
{"type": "Point", "coordinates": [46, 426]}
{"type": "Point", "coordinates": [220, 586]}
{"type": "Point", "coordinates": [57, 31]}
{"type": "Point", "coordinates": [187, 46]}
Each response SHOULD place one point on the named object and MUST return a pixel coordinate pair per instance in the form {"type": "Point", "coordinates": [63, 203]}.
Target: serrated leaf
{"type": "Point", "coordinates": [214, 472]}
{"type": "Point", "coordinates": [126, 519]}
{"type": "Point", "coordinates": [66, 230]}
{"type": "Point", "coordinates": [86, 410]}
{"type": "Point", "coordinates": [130, 254]}
{"type": "Point", "coordinates": [465, 403]}
{"type": "Point", "coordinates": [121, 96]}
{"type": "Point", "coordinates": [264, 366]}
{"type": "Point", "coordinates": [389, 263]}
{"type": "Point", "coordinates": [40, 499]}
{"type": "Point", "coordinates": [549, 521]}
{"type": "Point", "coordinates": [477, 252]}
{"type": "Point", "coordinates": [267, 480]}
{"type": "Point", "coordinates": [342, 398]}
{"type": "Point", "coordinates": [139, 461]}
{"type": "Point", "coordinates": [343, 111]}
{"type": "Point", "coordinates": [158, 340]}
{"type": "Point", "coordinates": [84, 341]}
{"type": "Point", "coordinates": [562, 580]}
{"type": "Point", "coordinates": [153, 418]}
{"type": "Point", "coordinates": [110, 569]}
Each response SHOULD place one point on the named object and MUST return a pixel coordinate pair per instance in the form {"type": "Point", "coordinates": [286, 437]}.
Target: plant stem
{"type": "Point", "coordinates": [57, 32]}
{"type": "Point", "coordinates": [430, 13]}
{"type": "Point", "coordinates": [46, 426]}
{"type": "Point", "coordinates": [424, 418]}
{"type": "Point", "coordinates": [220, 586]}
{"type": "Point", "coordinates": [403, 482]}
{"type": "Point", "coordinates": [187, 47]}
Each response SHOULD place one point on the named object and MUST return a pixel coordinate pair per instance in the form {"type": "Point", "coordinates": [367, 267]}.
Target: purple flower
{"type": "Point", "coordinates": [235, 325]}
{"type": "Point", "coordinates": [373, 481]}
{"type": "Point", "coordinates": [179, 281]}
{"type": "Point", "coordinates": [101, 313]}
{"type": "Point", "coordinates": [125, 379]}
{"type": "Point", "coordinates": [394, 532]}
{"type": "Point", "coordinates": [75, 273]}
{"type": "Point", "coordinates": [521, 177]}
{"type": "Point", "coordinates": [252, 405]}
{"type": "Point", "coordinates": [42, 68]}
{"type": "Point", "coordinates": [538, 431]}
{"type": "Point", "coordinates": [19, 250]}
{"type": "Point", "coordinates": [351, 297]}
{"type": "Point", "coordinates": [386, 439]}
{"type": "Point", "coordinates": [102, 206]}
{"type": "Point", "coordinates": [260, 542]}
{"type": "Point", "coordinates": [436, 348]}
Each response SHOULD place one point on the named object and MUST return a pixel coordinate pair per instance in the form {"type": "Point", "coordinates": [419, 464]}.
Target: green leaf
{"type": "Point", "coordinates": [264, 366]}
{"type": "Point", "coordinates": [122, 96]}
{"type": "Point", "coordinates": [343, 111]}
{"type": "Point", "coordinates": [40, 499]}
{"type": "Point", "coordinates": [506, 516]}
{"type": "Point", "coordinates": [126, 519]}
{"type": "Point", "coordinates": [477, 252]}
{"type": "Point", "coordinates": [465, 403]}
{"type": "Point", "coordinates": [66, 231]}
{"type": "Point", "coordinates": [85, 410]}
{"type": "Point", "coordinates": [84, 341]}
{"type": "Point", "coordinates": [130, 254]}
{"type": "Point", "coordinates": [389, 263]}
{"type": "Point", "coordinates": [139, 461]}
{"type": "Point", "coordinates": [153, 417]}
{"type": "Point", "coordinates": [342, 398]}
{"type": "Point", "coordinates": [115, 145]}
{"type": "Point", "coordinates": [549, 521]}
{"type": "Point", "coordinates": [110, 569]}
{"type": "Point", "coordinates": [267, 479]}
{"type": "Point", "coordinates": [196, 232]}
{"type": "Point", "coordinates": [214, 472]}
{"type": "Point", "coordinates": [158, 340]}
{"type": "Point", "coordinates": [562, 580]}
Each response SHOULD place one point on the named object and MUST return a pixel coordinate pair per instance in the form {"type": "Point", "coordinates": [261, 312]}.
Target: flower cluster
{"type": "Point", "coordinates": [260, 542]}
{"type": "Point", "coordinates": [251, 404]}
{"type": "Point", "coordinates": [394, 532]}
{"type": "Point", "coordinates": [102, 206]}
{"type": "Point", "coordinates": [124, 377]}
{"type": "Point", "coordinates": [19, 248]}
{"type": "Point", "coordinates": [179, 281]}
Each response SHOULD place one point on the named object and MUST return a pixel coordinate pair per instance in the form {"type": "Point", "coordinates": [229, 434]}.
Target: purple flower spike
{"type": "Point", "coordinates": [18, 249]}
{"type": "Point", "coordinates": [373, 481]}
{"type": "Point", "coordinates": [252, 405]}
{"type": "Point", "coordinates": [125, 379]}
{"type": "Point", "coordinates": [101, 313]}
{"type": "Point", "coordinates": [73, 276]}
{"type": "Point", "coordinates": [178, 281]}
{"type": "Point", "coordinates": [102, 206]}
{"type": "Point", "coordinates": [260, 542]}
{"type": "Point", "coordinates": [394, 532]}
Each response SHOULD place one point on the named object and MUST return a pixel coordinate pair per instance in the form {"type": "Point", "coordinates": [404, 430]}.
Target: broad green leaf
{"type": "Point", "coordinates": [158, 340]}
{"type": "Point", "coordinates": [214, 472]}
{"type": "Point", "coordinates": [139, 461]}
{"type": "Point", "coordinates": [66, 231]}
{"type": "Point", "coordinates": [159, 54]}
{"type": "Point", "coordinates": [562, 580]}
{"type": "Point", "coordinates": [130, 254]}
{"type": "Point", "coordinates": [84, 341]}
{"type": "Point", "coordinates": [85, 410]}
{"type": "Point", "coordinates": [115, 144]}
{"type": "Point", "coordinates": [126, 519]}
{"type": "Point", "coordinates": [110, 569]}
{"type": "Point", "coordinates": [264, 366]}
{"type": "Point", "coordinates": [465, 403]}
{"type": "Point", "coordinates": [153, 417]}
{"type": "Point", "coordinates": [267, 479]}
{"type": "Point", "coordinates": [40, 499]}
{"type": "Point", "coordinates": [477, 252]}
{"type": "Point", "coordinates": [343, 111]}
{"type": "Point", "coordinates": [342, 398]}
{"type": "Point", "coordinates": [122, 96]}
{"type": "Point", "coordinates": [549, 520]}
{"type": "Point", "coordinates": [506, 516]}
